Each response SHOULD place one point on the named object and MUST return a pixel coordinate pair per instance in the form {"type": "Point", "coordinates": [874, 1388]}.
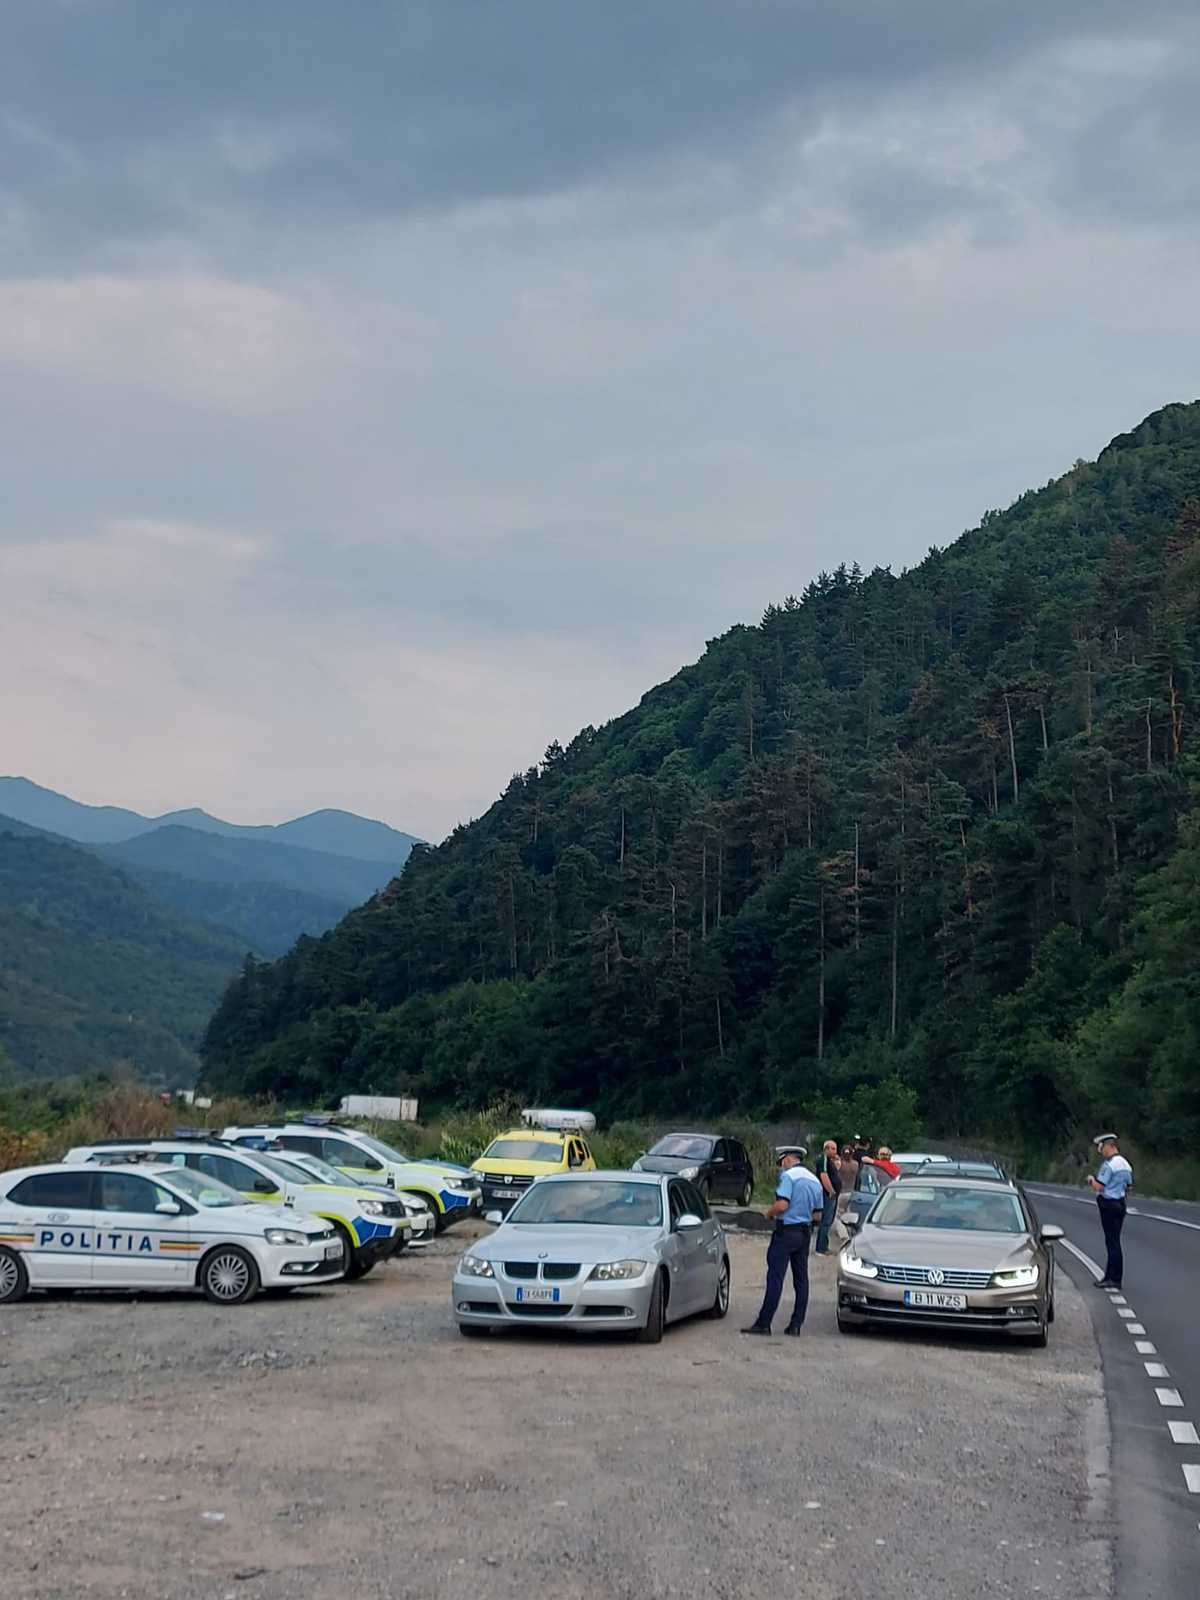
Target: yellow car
{"type": "Point", "coordinates": [513, 1160]}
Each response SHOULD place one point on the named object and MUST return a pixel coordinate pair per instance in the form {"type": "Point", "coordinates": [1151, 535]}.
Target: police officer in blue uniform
{"type": "Point", "coordinates": [798, 1195]}
{"type": "Point", "coordinates": [1110, 1186]}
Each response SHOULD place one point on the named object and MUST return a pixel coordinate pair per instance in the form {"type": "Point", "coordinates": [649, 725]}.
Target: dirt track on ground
{"type": "Point", "coordinates": [348, 1441]}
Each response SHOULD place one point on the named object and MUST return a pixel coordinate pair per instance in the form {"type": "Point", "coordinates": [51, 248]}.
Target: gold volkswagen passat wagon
{"type": "Point", "coordinates": [949, 1253]}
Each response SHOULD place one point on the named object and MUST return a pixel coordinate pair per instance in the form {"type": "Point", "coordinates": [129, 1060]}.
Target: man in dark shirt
{"type": "Point", "coordinates": [830, 1176]}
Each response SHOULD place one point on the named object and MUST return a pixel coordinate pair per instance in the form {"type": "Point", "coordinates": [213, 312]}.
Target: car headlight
{"type": "Point", "coordinates": [689, 1172]}
{"type": "Point", "coordinates": [614, 1271]}
{"type": "Point", "coordinates": [855, 1267]}
{"type": "Point", "coordinates": [1016, 1278]}
{"type": "Point", "coordinates": [475, 1267]}
{"type": "Point", "coordinates": [372, 1208]}
{"type": "Point", "coordinates": [285, 1236]}
{"type": "Point", "coordinates": [462, 1183]}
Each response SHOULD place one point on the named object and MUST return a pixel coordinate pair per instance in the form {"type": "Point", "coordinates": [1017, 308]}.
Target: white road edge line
{"type": "Point", "coordinates": [1155, 1369]}
{"type": "Point", "coordinates": [1169, 1397]}
{"type": "Point", "coordinates": [1191, 1476]}
{"type": "Point", "coordinates": [1134, 1211]}
{"type": "Point", "coordinates": [1096, 1271]}
{"type": "Point", "coordinates": [1184, 1433]}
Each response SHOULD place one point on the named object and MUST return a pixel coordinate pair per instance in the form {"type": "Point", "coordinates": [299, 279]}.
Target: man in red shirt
{"type": "Point", "coordinates": [884, 1160]}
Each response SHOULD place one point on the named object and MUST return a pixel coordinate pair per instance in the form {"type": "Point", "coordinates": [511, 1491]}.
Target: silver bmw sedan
{"type": "Point", "coordinates": [604, 1251]}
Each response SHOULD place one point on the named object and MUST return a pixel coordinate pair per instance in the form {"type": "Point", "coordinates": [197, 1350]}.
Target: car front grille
{"type": "Point", "coordinates": [492, 1181]}
{"type": "Point", "coordinates": [943, 1277]}
{"type": "Point", "coordinates": [326, 1233]}
{"type": "Point", "coordinates": [553, 1271]}
{"type": "Point", "coordinates": [392, 1208]}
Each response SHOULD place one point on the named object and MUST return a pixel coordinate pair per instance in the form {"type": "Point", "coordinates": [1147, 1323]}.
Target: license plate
{"type": "Point", "coordinates": [505, 1194]}
{"type": "Point", "coordinates": [333, 1252]}
{"type": "Point", "coordinates": [935, 1299]}
{"type": "Point", "coordinates": [537, 1297]}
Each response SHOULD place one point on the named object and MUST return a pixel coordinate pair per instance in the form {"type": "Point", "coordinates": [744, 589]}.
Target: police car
{"type": "Point", "coordinates": [151, 1226]}
{"type": "Point", "coordinates": [368, 1227]}
{"type": "Point", "coordinates": [420, 1230]}
{"type": "Point", "coordinates": [449, 1191]}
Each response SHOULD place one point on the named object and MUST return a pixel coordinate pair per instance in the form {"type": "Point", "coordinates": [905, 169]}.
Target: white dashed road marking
{"type": "Point", "coordinates": [1169, 1397]}
{"type": "Point", "coordinates": [1191, 1476]}
{"type": "Point", "coordinates": [1155, 1369]}
{"type": "Point", "coordinates": [1145, 1347]}
{"type": "Point", "coordinates": [1118, 1299]}
{"type": "Point", "coordinates": [1133, 1327]}
{"type": "Point", "coordinates": [1184, 1432]}
{"type": "Point", "coordinates": [1126, 1311]}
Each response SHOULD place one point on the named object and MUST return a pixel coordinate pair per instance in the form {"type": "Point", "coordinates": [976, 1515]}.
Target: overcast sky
{"type": "Point", "coordinates": [391, 388]}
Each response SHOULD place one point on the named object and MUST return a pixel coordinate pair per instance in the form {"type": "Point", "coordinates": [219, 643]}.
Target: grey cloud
{"type": "Point", "coordinates": [133, 116]}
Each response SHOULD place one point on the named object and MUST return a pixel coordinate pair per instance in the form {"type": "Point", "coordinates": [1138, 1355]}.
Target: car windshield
{"type": "Point", "coordinates": [601, 1203]}
{"type": "Point", "coordinates": [284, 1170]}
{"type": "Point", "coordinates": [524, 1150]}
{"type": "Point", "coordinates": [204, 1191]}
{"type": "Point", "coordinates": [685, 1146]}
{"type": "Point", "coordinates": [913, 1205]}
{"type": "Point", "coordinates": [378, 1148]}
{"type": "Point", "coordinates": [314, 1167]}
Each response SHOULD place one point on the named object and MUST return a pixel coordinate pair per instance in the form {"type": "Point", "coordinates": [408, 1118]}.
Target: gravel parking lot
{"type": "Point", "coordinates": [349, 1441]}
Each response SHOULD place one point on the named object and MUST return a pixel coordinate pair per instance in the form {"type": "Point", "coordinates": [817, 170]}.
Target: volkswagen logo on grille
{"type": "Point", "coordinates": [936, 1275]}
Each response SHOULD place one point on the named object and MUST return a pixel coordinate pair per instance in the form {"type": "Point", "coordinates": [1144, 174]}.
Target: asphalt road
{"type": "Point", "coordinates": [1149, 1340]}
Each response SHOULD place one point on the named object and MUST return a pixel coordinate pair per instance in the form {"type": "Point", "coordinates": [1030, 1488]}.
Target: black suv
{"type": "Point", "coordinates": [720, 1168]}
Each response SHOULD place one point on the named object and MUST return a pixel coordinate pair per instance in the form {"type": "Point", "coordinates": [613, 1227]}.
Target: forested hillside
{"type": "Point", "coordinates": [94, 972]}
{"type": "Point", "coordinates": [925, 825]}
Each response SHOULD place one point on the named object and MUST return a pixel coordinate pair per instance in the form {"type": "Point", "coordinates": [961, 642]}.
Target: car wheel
{"type": "Point", "coordinates": [229, 1276]}
{"type": "Point", "coordinates": [720, 1305]}
{"type": "Point", "coordinates": [747, 1194]}
{"type": "Point", "coordinates": [1050, 1311]}
{"type": "Point", "coordinates": [14, 1280]}
{"type": "Point", "coordinates": [653, 1331]}
{"type": "Point", "coordinates": [1041, 1338]}
{"type": "Point", "coordinates": [356, 1267]}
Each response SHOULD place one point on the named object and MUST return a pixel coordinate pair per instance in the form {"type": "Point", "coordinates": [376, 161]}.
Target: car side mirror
{"type": "Point", "coordinates": [850, 1221]}
{"type": "Point", "coordinates": [169, 1208]}
{"type": "Point", "coordinates": [1050, 1232]}
{"type": "Point", "coordinates": [495, 1218]}
{"type": "Point", "coordinates": [689, 1220]}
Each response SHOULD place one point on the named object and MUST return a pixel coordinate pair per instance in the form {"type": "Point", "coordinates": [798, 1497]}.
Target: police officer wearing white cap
{"type": "Point", "coordinates": [798, 1195]}
{"type": "Point", "coordinates": [1111, 1184]}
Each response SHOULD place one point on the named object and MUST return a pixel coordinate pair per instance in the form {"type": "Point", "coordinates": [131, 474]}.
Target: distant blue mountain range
{"type": "Point", "coordinates": [267, 885]}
